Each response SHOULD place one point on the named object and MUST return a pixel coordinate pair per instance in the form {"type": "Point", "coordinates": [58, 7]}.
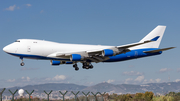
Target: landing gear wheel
{"type": "Point", "coordinates": [87, 67]}
{"type": "Point", "coordinates": [75, 65]}
{"type": "Point", "coordinates": [22, 63]}
{"type": "Point", "coordinates": [83, 67]}
{"type": "Point", "coordinates": [76, 68]}
{"type": "Point", "coordinates": [91, 66]}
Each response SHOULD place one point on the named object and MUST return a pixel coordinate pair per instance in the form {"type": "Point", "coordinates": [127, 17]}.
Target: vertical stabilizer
{"type": "Point", "coordinates": [156, 33]}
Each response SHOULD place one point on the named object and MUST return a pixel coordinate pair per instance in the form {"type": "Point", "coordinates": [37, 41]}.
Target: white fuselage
{"type": "Point", "coordinates": [46, 48]}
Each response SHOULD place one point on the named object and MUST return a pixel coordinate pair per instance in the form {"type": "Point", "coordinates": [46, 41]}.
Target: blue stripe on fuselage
{"type": "Point", "coordinates": [133, 54]}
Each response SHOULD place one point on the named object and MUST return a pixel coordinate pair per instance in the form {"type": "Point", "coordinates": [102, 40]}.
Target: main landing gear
{"type": "Point", "coordinates": [76, 67]}
{"type": "Point", "coordinates": [22, 63]}
{"type": "Point", "coordinates": [86, 65]}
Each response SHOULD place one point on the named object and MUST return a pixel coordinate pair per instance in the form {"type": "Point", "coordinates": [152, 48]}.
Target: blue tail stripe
{"type": "Point", "coordinates": [155, 39]}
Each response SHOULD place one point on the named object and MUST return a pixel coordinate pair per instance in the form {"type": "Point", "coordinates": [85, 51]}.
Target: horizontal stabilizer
{"type": "Point", "coordinates": [154, 51]}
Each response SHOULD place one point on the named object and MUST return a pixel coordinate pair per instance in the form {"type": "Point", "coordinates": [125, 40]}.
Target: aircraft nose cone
{"type": "Point", "coordinates": [5, 49]}
{"type": "Point", "coordinates": [11, 48]}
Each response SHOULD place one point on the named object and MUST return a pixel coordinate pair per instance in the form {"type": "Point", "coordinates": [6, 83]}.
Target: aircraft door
{"type": "Point", "coordinates": [29, 49]}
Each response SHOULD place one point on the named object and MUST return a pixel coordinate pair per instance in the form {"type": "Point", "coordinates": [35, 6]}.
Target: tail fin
{"type": "Point", "coordinates": [156, 35]}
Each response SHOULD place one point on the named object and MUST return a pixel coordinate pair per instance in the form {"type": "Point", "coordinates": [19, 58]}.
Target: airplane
{"type": "Point", "coordinates": [61, 53]}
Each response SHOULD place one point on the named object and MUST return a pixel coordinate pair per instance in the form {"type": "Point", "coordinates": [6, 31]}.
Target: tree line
{"type": "Point", "coordinates": [147, 96]}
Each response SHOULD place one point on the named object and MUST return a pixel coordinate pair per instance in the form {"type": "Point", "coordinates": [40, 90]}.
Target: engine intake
{"type": "Point", "coordinates": [75, 57]}
{"type": "Point", "coordinates": [54, 62]}
{"type": "Point", "coordinates": [107, 52]}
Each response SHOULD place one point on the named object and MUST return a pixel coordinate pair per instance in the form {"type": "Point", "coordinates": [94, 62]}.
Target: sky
{"type": "Point", "coordinates": [96, 22]}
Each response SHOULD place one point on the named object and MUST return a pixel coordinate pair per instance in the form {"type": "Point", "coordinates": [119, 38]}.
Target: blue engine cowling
{"type": "Point", "coordinates": [107, 52]}
{"type": "Point", "coordinates": [75, 57]}
{"type": "Point", "coordinates": [54, 62]}
{"type": "Point", "coordinates": [68, 62]}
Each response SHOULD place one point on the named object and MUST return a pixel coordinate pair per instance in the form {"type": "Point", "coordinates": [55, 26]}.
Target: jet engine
{"type": "Point", "coordinates": [108, 52]}
{"type": "Point", "coordinates": [75, 57]}
{"type": "Point", "coordinates": [67, 62]}
{"type": "Point", "coordinates": [54, 62]}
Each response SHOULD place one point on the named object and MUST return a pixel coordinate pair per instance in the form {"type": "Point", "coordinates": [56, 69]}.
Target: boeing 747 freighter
{"type": "Point", "coordinates": [60, 53]}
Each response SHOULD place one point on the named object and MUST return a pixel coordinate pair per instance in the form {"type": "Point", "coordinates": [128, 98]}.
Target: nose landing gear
{"type": "Point", "coordinates": [22, 63]}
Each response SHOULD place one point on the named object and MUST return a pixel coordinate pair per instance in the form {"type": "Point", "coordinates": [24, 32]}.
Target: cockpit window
{"type": "Point", "coordinates": [17, 41]}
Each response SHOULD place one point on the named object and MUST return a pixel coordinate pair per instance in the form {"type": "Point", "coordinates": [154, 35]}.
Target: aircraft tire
{"type": "Point", "coordinates": [76, 68]}
{"type": "Point", "coordinates": [75, 65]}
{"type": "Point", "coordinates": [22, 63]}
{"type": "Point", "coordinates": [87, 67]}
{"type": "Point", "coordinates": [91, 67]}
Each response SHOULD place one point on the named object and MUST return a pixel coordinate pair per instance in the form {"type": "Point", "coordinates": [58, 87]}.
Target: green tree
{"type": "Point", "coordinates": [148, 96]}
{"type": "Point", "coordinates": [139, 97]}
{"type": "Point", "coordinates": [124, 97]}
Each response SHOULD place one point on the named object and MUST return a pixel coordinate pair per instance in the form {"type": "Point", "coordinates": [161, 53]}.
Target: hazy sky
{"type": "Point", "coordinates": [107, 22]}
